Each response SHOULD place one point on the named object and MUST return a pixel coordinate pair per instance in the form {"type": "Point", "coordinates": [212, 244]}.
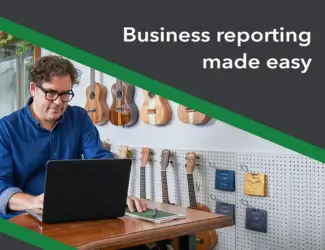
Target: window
{"type": "Point", "coordinates": [14, 84]}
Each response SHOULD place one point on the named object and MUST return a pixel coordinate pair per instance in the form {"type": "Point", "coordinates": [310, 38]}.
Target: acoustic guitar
{"type": "Point", "coordinates": [190, 116]}
{"type": "Point", "coordinates": [165, 160]}
{"type": "Point", "coordinates": [123, 111]}
{"type": "Point", "coordinates": [145, 158]}
{"type": "Point", "coordinates": [205, 240]}
{"type": "Point", "coordinates": [96, 104]}
{"type": "Point", "coordinates": [155, 109]}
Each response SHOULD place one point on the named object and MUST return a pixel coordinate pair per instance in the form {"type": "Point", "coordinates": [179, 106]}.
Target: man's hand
{"type": "Point", "coordinates": [36, 202]}
{"type": "Point", "coordinates": [133, 203]}
{"type": "Point", "coordinates": [22, 201]}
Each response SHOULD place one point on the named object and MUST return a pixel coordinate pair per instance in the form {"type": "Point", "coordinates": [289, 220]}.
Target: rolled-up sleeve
{"type": "Point", "coordinates": [5, 196]}
{"type": "Point", "coordinates": [7, 188]}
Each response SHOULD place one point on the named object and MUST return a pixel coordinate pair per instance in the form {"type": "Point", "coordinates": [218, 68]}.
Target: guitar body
{"type": "Point", "coordinates": [169, 109]}
{"type": "Point", "coordinates": [209, 239]}
{"type": "Point", "coordinates": [96, 104]}
{"type": "Point", "coordinates": [155, 109]}
{"type": "Point", "coordinates": [129, 97]}
{"type": "Point", "coordinates": [190, 116]}
{"type": "Point", "coordinates": [104, 104]}
{"type": "Point", "coordinates": [120, 111]}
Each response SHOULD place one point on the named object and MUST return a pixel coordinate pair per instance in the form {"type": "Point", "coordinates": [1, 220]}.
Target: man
{"type": "Point", "coordinates": [46, 128]}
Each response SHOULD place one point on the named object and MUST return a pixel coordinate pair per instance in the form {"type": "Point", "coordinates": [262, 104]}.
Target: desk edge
{"type": "Point", "coordinates": [138, 238]}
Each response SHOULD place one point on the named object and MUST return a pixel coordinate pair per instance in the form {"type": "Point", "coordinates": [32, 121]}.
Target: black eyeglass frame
{"type": "Point", "coordinates": [57, 94]}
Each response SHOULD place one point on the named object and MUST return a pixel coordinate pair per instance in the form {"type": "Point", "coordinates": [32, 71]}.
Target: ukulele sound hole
{"type": "Point", "coordinates": [151, 95]}
{"type": "Point", "coordinates": [118, 94]}
{"type": "Point", "coordinates": [92, 95]}
{"type": "Point", "coordinates": [199, 241]}
{"type": "Point", "coordinates": [188, 110]}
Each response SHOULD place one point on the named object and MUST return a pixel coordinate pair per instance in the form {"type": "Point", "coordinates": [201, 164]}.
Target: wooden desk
{"type": "Point", "coordinates": [125, 232]}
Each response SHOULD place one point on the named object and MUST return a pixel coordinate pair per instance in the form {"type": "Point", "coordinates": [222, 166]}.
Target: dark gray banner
{"type": "Point", "coordinates": [277, 79]}
{"type": "Point", "coordinates": [8, 242]}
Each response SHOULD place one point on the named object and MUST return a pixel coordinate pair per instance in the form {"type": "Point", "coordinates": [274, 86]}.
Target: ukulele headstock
{"type": "Point", "coordinates": [191, 162]}
{"type": "Point", "coordinates": [106, 143]}
{"type": "Point", "coordinates": [125, 152]}
{"type": "Point", "coordinates": [145, 156]}
{"type": "Point", "coordinates": [165, 156]}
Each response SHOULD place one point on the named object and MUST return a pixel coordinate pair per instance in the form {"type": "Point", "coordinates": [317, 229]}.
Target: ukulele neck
{"type": "Point", "coordinates": [191, 191]}
{"type": "Point", "coordinates": [92, 80]}
{"type": "Point", "coordinates": [164, 187]}
{"type": "Point", "coordinates": [142, 183]}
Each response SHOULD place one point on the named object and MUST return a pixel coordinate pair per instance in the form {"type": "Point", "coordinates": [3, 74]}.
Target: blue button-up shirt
{"type": "Point", "coordinates": [25, 148]}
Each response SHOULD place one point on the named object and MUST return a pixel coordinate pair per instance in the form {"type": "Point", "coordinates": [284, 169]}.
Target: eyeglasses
{"type": "Point", "coordinates": [52, 95]}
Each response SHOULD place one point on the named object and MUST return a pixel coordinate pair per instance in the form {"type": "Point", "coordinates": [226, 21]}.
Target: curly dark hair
{"type": "Point", "coordinates": [48, 66]}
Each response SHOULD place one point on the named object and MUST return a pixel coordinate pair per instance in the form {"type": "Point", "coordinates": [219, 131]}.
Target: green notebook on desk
{"type": "Point", "coordinates": [161, 216]}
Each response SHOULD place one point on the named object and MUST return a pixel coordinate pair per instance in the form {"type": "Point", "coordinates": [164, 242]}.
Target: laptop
{"type": "Point", "coordinates": [83, 190]}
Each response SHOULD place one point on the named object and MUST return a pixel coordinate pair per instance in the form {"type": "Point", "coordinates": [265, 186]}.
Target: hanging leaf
{"type": "Point", "coordinates": [22, 46]}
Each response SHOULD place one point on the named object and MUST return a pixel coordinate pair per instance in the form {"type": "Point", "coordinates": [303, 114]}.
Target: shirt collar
{"type": "Point", "coordinates": [32, 118]}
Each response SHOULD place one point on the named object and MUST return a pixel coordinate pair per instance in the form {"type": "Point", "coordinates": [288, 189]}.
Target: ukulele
{"type": "Point", "coordinates": [106, 143]}
{"type": "Point", "coordinates": [145, 157]}
{"type": "Point", "coordinates": [123, 111]}
{"type": "Point", "coordinates": [190, 116]}
{"type": "Point", "coordinates": [205, 240]}
{"type": "Point", "coordinates": [96, 104]}
{"type": "Point", "coordinates": [125, 152]}
{"type": "Point", "coordinates": [155, 109]}
{"type": "Point", "coordinates": [165, 156]}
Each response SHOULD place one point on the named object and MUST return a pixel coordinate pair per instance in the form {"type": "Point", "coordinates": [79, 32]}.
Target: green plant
{"type": "Point", "coordinates": [22, 46]}
{"type": "Point", "coordinates": [5, 37]}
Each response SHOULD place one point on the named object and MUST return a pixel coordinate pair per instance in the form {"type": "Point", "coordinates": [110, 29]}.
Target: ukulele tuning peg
{"type": "Point", "coordinates": [197, 157]}
{"type": "Point", "coordinates": [185, 158]}
{"type": "Point", "coordinates": [171, 162]}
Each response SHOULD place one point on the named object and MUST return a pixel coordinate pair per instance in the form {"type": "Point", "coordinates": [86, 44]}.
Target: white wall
{"type": "Point", "coordinates": [215, 135]}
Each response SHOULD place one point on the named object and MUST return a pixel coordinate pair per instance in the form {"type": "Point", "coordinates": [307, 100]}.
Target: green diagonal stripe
{"type": "Point", "coordinates": [31, 237]}
{"type": "Point", "coordinates": [159, 88]}
{"type": "Point", "coordinates": [166, 91]}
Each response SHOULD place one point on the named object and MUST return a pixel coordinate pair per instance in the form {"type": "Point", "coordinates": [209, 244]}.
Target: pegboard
{"type": "Point", "coordinates": [295, 201]}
